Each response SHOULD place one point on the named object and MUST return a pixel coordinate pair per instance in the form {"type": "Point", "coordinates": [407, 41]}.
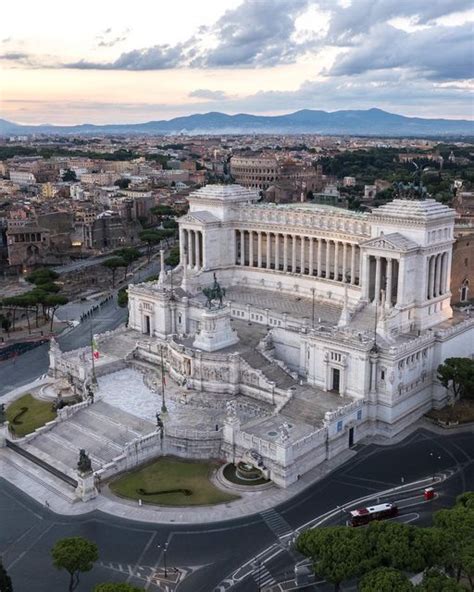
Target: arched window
{"type": "Point", "coordinates": [465, 290]}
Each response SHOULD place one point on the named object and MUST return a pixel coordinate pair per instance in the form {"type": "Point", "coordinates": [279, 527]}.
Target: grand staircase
{"type": "Point", "coordinates": [270, 369]}
{"type": "Point", "coordinates": [101, 429]}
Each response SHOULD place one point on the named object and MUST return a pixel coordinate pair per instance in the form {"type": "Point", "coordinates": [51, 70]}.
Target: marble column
{"type": "Point", "coordinates": [259, 248]}
{"type": "Point", "coordinates": [336, 261]}
{"type": "Point", "coordinates": [293, 253]}
{"type": "Point", "coordinates": [320, 246]}
{"type": "Point", "coordinates": [437, 291]}
{"type": "Point", "coordinates": [431, 278]}
{"type": "Point", "coordinates": [311, 256]}
{"type": "Point", "coordinates": [302, 255]}
{"type": "Point", "coordinates": [388, 299]}
{"type": "Point", "coordinates": [242, 247]}
{"type": "Point", "coordinates": [353, 263]}
{"type": "Point", "coordinates": [191, 248]}
{"type": "Point", "coordinates": [444, 259]}
{"type": "Point", "coordinates": [328, 258]}
{"type": "Point", "coordinates": [251, 259]}
{"type": "Point", "coordinates": [197, 248]}
{"type": "Point", "coordinates": [277, 251]}
{"type": "Point", "coordinates": [285, 252]}
{"type": "Point", "coordinates": [377, 279]}
{"type": "Point", "coordinates": [269, 249]}
{"type": "Point", "coordinates": [401, 281]}
{"type": "Point", "coordinates": [182, 245]}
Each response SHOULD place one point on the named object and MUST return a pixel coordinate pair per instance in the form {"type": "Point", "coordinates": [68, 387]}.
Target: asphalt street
{"type": "Point", "coordinates": [16, 372]}
{"type": "Point", "coordinates": [208, 556]}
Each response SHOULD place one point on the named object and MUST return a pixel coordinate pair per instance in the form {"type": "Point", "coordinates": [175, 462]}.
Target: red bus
{"type": "Point", "coordinates": [366, 515]}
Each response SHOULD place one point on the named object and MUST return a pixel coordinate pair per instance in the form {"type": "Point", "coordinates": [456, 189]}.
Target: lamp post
{"type": "Point", "coordinates": [165, 549]}
{"type": "Point", "coordinates": [312, 309]}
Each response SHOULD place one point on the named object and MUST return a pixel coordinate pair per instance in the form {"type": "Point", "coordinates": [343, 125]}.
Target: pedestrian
{"type": "Point", "coordinates": [46, 503]}
{"type": "Point", "coordinates": [140, 502]}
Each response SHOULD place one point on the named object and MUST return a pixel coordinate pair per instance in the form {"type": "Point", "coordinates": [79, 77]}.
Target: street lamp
{"type": "Point", "coordinates": [165, 549]}
{"type": "Point", "coordinates": [434, 458]}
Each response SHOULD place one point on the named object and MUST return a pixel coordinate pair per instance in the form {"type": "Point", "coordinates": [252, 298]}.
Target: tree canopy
{"type": "Point", "coordinates": [76, 555]}
{"type": "Point", "coordinates": [458, 374]}
{"type": "Point", "coordinates": [385, 579]}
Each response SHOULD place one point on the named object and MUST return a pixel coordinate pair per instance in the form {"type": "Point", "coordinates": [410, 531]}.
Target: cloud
{"type": "Point", "coordinates": [359, 16]}
{"type": "Point", "coordinates": [256, 34]}
{"type": "Point", "coordinates": [205, 93]}
{"type": "Point", "coordinates": [440, 53]}
{"type": "Point", "coordinates": [109, 39]}
{"type": "Point", "coordinates": [159, 57]}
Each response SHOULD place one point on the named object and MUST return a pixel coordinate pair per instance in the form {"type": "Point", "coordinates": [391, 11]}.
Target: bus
{"type": "Point", "coordinates": [365, 515]}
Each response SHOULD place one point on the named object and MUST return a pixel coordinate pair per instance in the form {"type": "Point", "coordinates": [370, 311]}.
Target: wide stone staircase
{"type": "Point", "coordinates": [364, 319]}
{"type": "Point", "coordinates": [101, 429]}
{"type": "Point", "coordinates": [271, 370]}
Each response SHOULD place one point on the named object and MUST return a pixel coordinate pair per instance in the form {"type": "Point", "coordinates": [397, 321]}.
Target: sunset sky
{"type": "Point", "coordinates": [117, 62]}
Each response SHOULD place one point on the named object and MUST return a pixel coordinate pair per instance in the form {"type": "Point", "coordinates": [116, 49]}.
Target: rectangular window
{"type": "Point", "coordinates": [339, 426]}
{"type": "Point", "coordinates": [359, 414]}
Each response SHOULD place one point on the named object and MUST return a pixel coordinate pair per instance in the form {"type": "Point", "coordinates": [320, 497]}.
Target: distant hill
{"type": "Point", "coordinates": [374, 122]}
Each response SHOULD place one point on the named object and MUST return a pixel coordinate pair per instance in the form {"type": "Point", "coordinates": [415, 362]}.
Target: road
{"type": "Point", "coordinates": [210, 554]}
{"type": "Point", "coordinates": [16, 372]}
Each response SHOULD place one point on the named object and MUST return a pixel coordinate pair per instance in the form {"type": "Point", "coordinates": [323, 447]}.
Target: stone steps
{"type": "Point", "coordinates": [30, 473]}
{"type": "Point", "coordinates": [272, 371]}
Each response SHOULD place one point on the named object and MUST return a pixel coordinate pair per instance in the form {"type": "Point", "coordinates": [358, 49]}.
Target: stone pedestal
{"type": "Point", "coordinates": [86, 489]}
{"type": "Point", "coordinates": [215, 330]}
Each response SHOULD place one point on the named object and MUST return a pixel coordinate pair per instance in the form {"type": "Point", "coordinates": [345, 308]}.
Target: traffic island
{"type": "Point", "coordinates": [170, 481]}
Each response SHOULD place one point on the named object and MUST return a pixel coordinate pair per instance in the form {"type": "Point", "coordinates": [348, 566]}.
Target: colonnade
{"type": "Point", "coordinates": [384, 283]}
{"type": "Point", "coordinates": [320, 257]}
{"type": "Point", "coordinates": [193, 247]}
{"type": "Point", "coordinates": [437, 275]}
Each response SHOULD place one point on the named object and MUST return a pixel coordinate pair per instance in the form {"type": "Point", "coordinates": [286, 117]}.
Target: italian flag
{"type": "Point", "coordinates": [95, 350]}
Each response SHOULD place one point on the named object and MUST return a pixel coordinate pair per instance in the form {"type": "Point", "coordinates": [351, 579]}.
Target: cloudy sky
{"type": "Point", "coordinates": [104, 61]}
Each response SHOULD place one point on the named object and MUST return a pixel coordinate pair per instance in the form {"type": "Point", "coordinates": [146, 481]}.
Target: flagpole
{"type": "Point", "coordinates": [163, 402]}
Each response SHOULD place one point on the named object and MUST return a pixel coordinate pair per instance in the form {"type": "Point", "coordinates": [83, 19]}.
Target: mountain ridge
{"type": "Point", "coordinates": [371, 122]}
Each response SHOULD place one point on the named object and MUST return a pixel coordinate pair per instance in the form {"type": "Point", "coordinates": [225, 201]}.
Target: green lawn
{"type": "Point", "coordinates": [27, 413]}
{"type": "Point", "coordinates": [172, 482]}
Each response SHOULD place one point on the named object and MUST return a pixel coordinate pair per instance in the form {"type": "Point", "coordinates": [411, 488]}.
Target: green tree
{"type": "Point", "coordinates": [338, 553]}
{"type": "Point", "coordinates": [117, 587]}
{"type": "Point", "coordinates": [113, 264]}
{"type": "Point", "coordinates": [53, 302]}
{"type": "Point", "coordinates": [6, 323]}
{"type": "Point", "coordinates": [76, 555]}
{"type": "Point", "coordinates": [385, 579]}
{"type": "Point", "coordinates": [458, 373]}
{"type": "Point", "coordinates": [42, 275]}
{"type": "Point", "coordinates": [129, 255]}
{"type": "Point", "coordinates": [122, 297]}
{"type": "Point", "coordinates": [69, 175]}
{"type": "Point", "coordinates": [151, 238]}
{"type": "Point", "coordinates": [173, 257]}
{"type": "Point", "coordinates": [437, 581]}
{"type": "Point", "coordinates": [456, 525]}
{"type": "Point", "coordinates": [5, 580]}
{"type": "Point", "coordinates": [122, 183]}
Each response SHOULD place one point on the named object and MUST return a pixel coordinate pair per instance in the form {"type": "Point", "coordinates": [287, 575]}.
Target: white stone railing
{"type": "Point", "coordinates": [308, 442]}
{"type": "Point", "coordinates": [462, 326]}
{"type": "Point", "coordinates": [331, 416]}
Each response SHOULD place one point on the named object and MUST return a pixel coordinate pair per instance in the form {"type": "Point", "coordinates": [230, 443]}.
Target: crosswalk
{"type": "Point", "coordinates": [276, 523]}
{"type": "Point", "coordinates": [263, 578]}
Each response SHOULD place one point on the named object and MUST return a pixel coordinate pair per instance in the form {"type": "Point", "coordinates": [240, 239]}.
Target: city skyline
{"type": "Point", "coordinates": [107, 64]}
